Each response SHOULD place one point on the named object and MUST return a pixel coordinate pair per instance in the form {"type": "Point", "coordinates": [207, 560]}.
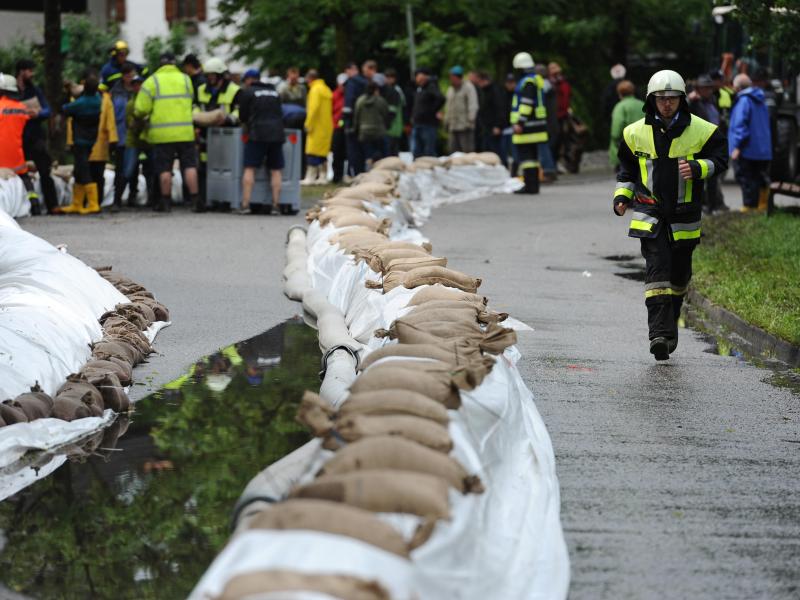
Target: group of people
{"type": "Point", "coordinates": [741, 110]}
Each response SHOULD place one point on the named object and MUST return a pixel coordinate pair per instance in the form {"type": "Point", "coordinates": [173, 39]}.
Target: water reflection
{"type": "Point", "coordinates": [141, 509]}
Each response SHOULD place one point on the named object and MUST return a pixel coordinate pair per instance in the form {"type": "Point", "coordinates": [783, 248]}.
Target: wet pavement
{"type": "Point", "coordinates": [678, 480]}
{"type": "Point", "coordinates": [140, 510]}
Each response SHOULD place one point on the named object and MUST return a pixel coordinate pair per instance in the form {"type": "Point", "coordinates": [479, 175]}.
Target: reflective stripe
{"type": "Point", "coordinates": [707, 168]}
{"type": "Point", "coordinates": [621, 191]}
{"type": "Point", "coordinates": [645, 170]}
{"type": "Point", "coordinates": [644, 218]}
{"type": "Point", "coordinates": [657, 284]}
{"type": "Point", "coordinates": [529, 138]}
{"type": "Point", "coordinates": [641, 225]}
{"type": "Point", "coordinates": [659, 292]}
{"type": "Point", "coordinates": [628, 185]}
{"type": "Point", "coordinates": [529, 164]}
{"type": "Point", "coordinates": [687, 197]}
{"type": "Point", "coordinates": [685, 226]}
{"type": "Point", "coordinates": [526, 109]}
{"type": "Point", "coordinates": [685, 231]}
{"type": "Point", "coordinates": [526, 101]}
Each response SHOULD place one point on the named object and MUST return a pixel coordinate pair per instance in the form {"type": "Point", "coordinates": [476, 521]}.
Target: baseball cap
{"type": "Point", "coordinates": [254, 73]}
{"type": "Point", "coordinates": [457, 70]}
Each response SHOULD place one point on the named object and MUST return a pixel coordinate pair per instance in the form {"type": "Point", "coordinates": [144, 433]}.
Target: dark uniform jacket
{"type": "Point", "coordinates": [260, 110]}
{"type": "Point", "coordinates": [428, 100]}
{"type": "Point", "coordinates": [649, 180]}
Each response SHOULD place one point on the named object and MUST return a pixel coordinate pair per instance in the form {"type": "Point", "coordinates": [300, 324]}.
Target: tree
{"type": "Point", "coordinates": [772, 23]}
{"type": "Point", "coordinates": [155, 46]}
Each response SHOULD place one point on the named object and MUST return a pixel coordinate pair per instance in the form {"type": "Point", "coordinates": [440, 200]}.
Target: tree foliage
{"type": "Point", "coordinates": [772, 23]}
{"type": "Point", "coordinates": [155, 46]}
{"type": "Point", "coordinates": [87, 45]}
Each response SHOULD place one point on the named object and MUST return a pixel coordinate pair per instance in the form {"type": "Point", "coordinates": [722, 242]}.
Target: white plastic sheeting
{"type": "Point", "coordinates": [14, 198]}
{"type": "Point", "coordinates": [504, 543]}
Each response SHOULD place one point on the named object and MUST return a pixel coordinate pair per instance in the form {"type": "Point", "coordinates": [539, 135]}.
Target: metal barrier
{"type": "Point", "coordinates": [226, 163]}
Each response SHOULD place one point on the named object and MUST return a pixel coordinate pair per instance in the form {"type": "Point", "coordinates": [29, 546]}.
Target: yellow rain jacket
{"type": "Point", "coordinates": [319, 119]}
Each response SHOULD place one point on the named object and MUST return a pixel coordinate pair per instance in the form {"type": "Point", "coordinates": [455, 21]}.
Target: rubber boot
{"type": "Point", "coordinates": [92, 201]}
{"type": "Point", "coordinates": [531, 179]}
{"type": "Point", "coordinates": [763, 199]}
{"type": "Point", "coordinates": [659, 348]}
{"type": "Point", "coordinates": [311, 176]}
{"type": "Point", "coordinates": [198, 206]}
{"type": "Point", "coordinates": [322, 173]}
{"type": "Point", "coordinates": [36, 207]}
{"type": "Point", "coordinates": [78, 194]}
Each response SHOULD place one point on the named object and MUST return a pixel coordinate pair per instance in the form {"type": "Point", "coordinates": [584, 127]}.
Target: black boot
{"type": "Point", "coordinates": [659, 348]}
{"type": "Point", "coordinates": [531, 178]}
{"type": "Point", "coordinates": [198, 205]}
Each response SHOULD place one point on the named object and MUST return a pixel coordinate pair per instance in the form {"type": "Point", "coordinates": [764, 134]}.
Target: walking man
{"type": "Point", "coordinates": [665, 159]}
{"type": "Point", "coordinates": [750, 143]}
{"type": "Point", "coordinates": [529, 120]}
{"type": "Point", "coordinates": [424, 116]}
{"type": "Point", "coordinates": [166, 100]}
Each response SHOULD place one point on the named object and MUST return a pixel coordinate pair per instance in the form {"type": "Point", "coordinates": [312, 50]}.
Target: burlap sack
{"type": "Point", "coordinates": [415, 262]}
{"type": "Point", "coordinates": [355, 427]}
{"type": "Point", "coordinates": [120, 368]}
{"type": "Point", "coordinates": [446, 316]}
{"type": "Point", "coordinates": [160, 311]}
{"type": "Point", "coordinates": [373, 189]}
{"type": "Point", "coordinates": [427, 162]}
{"type": "Point", "coordinates": [460, 327]}
{"type": "Point", "coordinates": [357, 239]}
{"type": "Point", "coordinates": [11, 412]}
{"type": "Point", "coordinates": [209, 118]}
{"type": "Point", "coordinates": [463, 161]}
{"type": "Point", "coordinates": [437, 292]}
{"type": "Point", "coordinates": [141, 295]}
{"type": "Point", "coordinates": [387, 491]}
{"type": "Point", "coordinates": [35, 405]}
{"type": "Point", "coordinates": [488, 158]}
{"type": "Point", "coordinates": [146, 310]}
{"type": "Point", "coordinates": [377, 260]}
{"type": "Point", "coordinates": [341, 201]}
{"type": "Point", "coordinates": [437, 308]}
{"type": "Point", "coordinates": [78, 392]}
{"type": "Point", "coordinates": [437, 387]}
{"type": "Point", "coordinates": [380, 176]}
{"type": "Point", "coordinates": [454, 353]}
{"type": "Point", "coordinates": [442, 275]}
{"type": "Point", "coordinates": [253, 584]}
{"type": "Point", "coordinates": [316, 414]}
{"type": "Point", "coordinates": [494, 340]}
{"type": "Point", "coordinates": [105, 350]}
{"type": "Point", "coordinates": [400, 454]}
{"type": "Point", "coordinates": [390, 163]}
{"type": "Point", "coordinates": [395, 245]}
{"type": "Point", "coordinates": [466, 377]}
{"type": "Point", "coordinates": [109, 386]}
{"type": "Point", "coordinates": [329, 214]}
{"type": "Point", "coordinates": [331, 517]}
{"type": "Point", "coordinates": [362, 220]}
{"type": "Point", "coordinates": [394, 402]}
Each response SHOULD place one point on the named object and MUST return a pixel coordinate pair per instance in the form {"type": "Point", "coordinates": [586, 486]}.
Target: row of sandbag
{"type": "Point", "coordinates": [394, 163]}
{"type": "Point", "coordinates": [101, 383]}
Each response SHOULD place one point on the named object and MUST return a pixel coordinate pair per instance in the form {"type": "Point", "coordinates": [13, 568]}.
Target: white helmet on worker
{"type": "Point", "coordinates": [666, 83]}
{"type": "Point", "coordinates": [8, 84]}
{"type": "Point", "coordinates": [523, 60]}
{"type": "Point", "coordinates": [215, 65]}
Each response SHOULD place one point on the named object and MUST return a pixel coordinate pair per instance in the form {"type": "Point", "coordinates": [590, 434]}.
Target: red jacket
{"type": "Point", "coordinates": [13, 117]}
{"type": "Point", "coordinates": [563, 93]}
{"type": "Point", "coordinates": [338, 106]}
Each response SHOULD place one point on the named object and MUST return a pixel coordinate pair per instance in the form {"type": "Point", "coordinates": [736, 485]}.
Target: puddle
{"type": "Point", "coordinates": [145, 506]}
{"type": "Point", "coordinates": [635, 275]}
{"type": "Point", "coordinates": [621, 257]}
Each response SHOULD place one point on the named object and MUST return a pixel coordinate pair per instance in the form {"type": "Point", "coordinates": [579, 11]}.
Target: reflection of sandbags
{"type": "Point", "coordinates": [253, 585]}
{"type": "Point", "coordinates": [396, 453]}
{"type": "Point", "coordinates": [436, 386]}
{"type": "Point", "coordinates": [388, 491]}
{"type": "Point", "coordinates": [440, 292]}
{"type": "Point", "coordinates": [331, 517]}
{"type": "Point", "coordinates": [35, 405]}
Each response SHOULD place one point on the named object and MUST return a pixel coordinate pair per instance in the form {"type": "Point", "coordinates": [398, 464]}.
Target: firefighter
{"type": "Point", "coordinates": [111, 72]}
{"type": "Point", "coordinates": [14, 115]}
{"type": "Point", "coordinates": [529, 121]}
{"type": "Point", "coordinates": [218, 92]}
{"type": "Point", "coordinates": [665, 159]}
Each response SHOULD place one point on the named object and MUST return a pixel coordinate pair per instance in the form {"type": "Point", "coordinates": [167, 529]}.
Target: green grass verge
{"type": "Point", "coordinates": [750, 264]}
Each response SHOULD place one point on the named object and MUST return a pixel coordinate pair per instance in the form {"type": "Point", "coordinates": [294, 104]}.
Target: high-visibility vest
{"type": "Point", "coordinates": [224, 99]}
{"type": "Point", "coordinates": [166, 96]}
{"type": "Point", "coordinates": [534, 130]}
{"type": "Point", "coordinates": [726, 97]}
{"type": "Point", "coordinates": [13, 117]}
{"type": "Point", "coordinates": [639, 138]}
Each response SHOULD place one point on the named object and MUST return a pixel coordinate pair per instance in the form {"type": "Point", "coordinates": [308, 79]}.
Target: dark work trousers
{"type": "Point", "coordinates": [355, 155]}
{"type": "Point", "coordinates": [529, 167]}
{"type": "Point", "coordinates": [98, 170]}
{"type": "Point", "coordinates": [713, 198]}
{"type": "Point", "coordinates": [668, 271]}
{"type": "Point", "coordinates": [752, 175]}
{"type": "Point", "coordinates": [36, 150]}
{"type": "Point", "coordinates": [120, 181]}
{"type": "Point", "coordinates": [339, 150]}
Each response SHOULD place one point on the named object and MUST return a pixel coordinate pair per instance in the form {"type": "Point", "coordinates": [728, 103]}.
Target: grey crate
{"type": "Point", "coordinates": [226, 163]}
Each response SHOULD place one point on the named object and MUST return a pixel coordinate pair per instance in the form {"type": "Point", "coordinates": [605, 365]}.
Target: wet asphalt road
{"type": "Point", "coordinates": [678, 480]}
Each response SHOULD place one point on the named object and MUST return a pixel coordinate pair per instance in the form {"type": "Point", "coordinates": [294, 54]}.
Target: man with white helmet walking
{"type": "Point", "coordinates": [665, 159]}
{"type": "Point", "coordinates": [529, 121]}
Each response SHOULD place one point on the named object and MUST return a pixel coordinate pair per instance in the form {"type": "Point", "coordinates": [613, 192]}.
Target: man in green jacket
{"type": "Point", "coordinates": [628, 110]}
{"type": "Point", "coordinates": [166, 101]}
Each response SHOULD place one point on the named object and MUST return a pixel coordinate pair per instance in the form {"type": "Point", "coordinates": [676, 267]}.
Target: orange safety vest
{"type": "Point", "coordinates": [13, 117]}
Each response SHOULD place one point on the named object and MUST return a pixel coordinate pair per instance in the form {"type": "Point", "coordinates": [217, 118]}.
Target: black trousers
{"type": "Point", "coordinates": [668, 271]}
{"type": "Point", "coordinates": [36, 150]}
{"type": "Point", "coordinates": [339, 149]}
{"type": "Point", "coordinates": [529, 166]}
{"type": "Point", "coordinates": [120, 181]}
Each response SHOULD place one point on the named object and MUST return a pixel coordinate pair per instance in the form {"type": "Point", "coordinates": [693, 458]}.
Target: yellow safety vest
{"type": "Point", "coordinates": [166, 97]}
{"type": "Point", "coordinates": [534, 130]}
{"type": "Point", "coordinates": [224, 99]}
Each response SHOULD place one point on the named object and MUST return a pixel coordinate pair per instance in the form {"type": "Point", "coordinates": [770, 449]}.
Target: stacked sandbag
{"type": "Point", "coordinates": [101, 383]}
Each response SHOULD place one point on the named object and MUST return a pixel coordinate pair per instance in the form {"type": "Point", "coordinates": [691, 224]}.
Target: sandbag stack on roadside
{"type": "Point", "coordinates": [102, 381]}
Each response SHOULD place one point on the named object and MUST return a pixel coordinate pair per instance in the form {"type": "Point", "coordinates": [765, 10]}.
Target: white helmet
{"type": "Point", "coordinates": [523, 60]}
{"type": "Point", "coordinates": [215, 65]}
{"type": "Point", "coordinates": [666, 83]}
{"type": "Point", "coordinates": [8, 84]}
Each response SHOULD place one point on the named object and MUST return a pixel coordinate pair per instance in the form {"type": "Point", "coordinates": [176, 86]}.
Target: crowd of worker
{"type": "Point", "coordinates": [142, 123]}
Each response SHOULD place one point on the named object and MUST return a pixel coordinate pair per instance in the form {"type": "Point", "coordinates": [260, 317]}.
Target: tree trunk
{"type": "Point", "coordinates": [619, 42]}
{"type": "Point", "coordinates": [54, 66]}
{"type": "Point", "coordinates": [343, 28]}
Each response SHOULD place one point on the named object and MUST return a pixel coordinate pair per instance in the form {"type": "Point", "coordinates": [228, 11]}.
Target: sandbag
{"type": "Point", "coordinates": [455, 353]}
{"type": "Point", "coordinates": [494, 340]}
{"type": "Point", "coordinates": [105, 350]}
{"type": "Point", "coordinates": [390, 163]}
{"type": "Point", "coordinates": [488, 158]}
{"type": "Point", "coordinates": [372, 189]}
{"type": "Point", "coordinates": [361, 220]}
{"type": "Point", "coordinates": [378, 259]}
{"type": "Point", "coordinates": [252, 585]}
{"type": "Point", "coordinates": [120, 368]}
{"type": "Point", "coordinates": [11, 412]}
{"type": "Point", "coordinates": [437, 308]}
{"type": "Point", "coordinates": [355, 427]}
{"type": "Point", "coordinates": [331, 517]}
{"type": "Point", "coordinates": [316, 414]}
{"type": "Point", "coordinates": [342, 201]}
{"type": "Point", "coordinates": [414, 262]}
{"type": "Point", "coordinates": [78, 389]}
{"type": "Point", "coordinates": [438, 292]}
{"type": "Point", "coordinates": [466, 314]}
{"type": "Point", "coordinates": [437, 387]}
{"type": "Point", "coordinates": [395, 245]}
{"type": "Point", "coordinates": [35, 405]}
{"type": "Point", "coordinates": [442, 275]}
{"type": "Point", "coordinates": [329, 214]}
{"type": "Point", "coordinates": [110, 388]}
{"type": "Point", "coordinates": [394, 402]}
{"type": "Point", "coordinates": [465, 326]}
{"type": "Point", "coordinates": [388, 491]}
{"type": "Point", "coordinates": [356, 239]}
{"type": "Point", "coordinates": [400, 454]}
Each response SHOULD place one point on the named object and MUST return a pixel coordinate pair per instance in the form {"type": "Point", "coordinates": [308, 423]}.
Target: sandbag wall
{"type": "Point", "coordinates": [432, 475]}
{"type": "Point", "coordinates": [69, 339]}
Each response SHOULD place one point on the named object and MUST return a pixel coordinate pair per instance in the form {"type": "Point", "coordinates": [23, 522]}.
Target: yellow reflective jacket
{"type": "Point", "coordinates": [319, 119]}
{"type": "Point", "coordinates": [166, 99]}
